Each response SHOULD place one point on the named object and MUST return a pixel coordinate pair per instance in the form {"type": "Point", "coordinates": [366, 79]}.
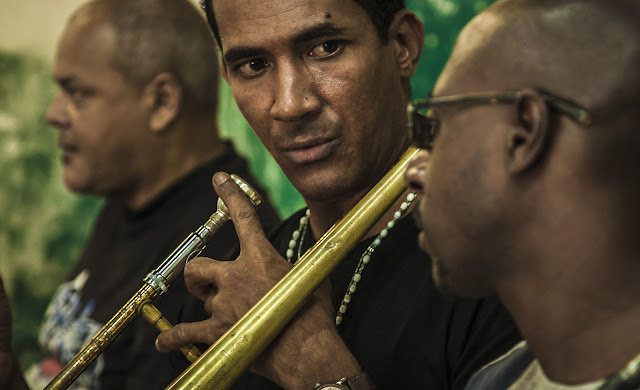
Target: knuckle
{"type": "Point", "coordinates": [231, 277]}
{"type": "Point", "coordinates": [243, 213]}
{"type": "Point", "coordinates": [189, 269]}
{"type": "Point", "coordinates": [180, 333]}
{"type": "Point", "coordinates": [194, 270]}
{"type": "Point", "coordinates": [228, 190]}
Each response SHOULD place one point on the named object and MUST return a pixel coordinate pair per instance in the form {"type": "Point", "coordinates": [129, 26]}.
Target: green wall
{"type": "Point", "coordinates": [43, 227]}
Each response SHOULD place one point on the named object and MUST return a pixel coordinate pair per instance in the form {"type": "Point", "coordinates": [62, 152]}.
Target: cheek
{"type": "Point", "coordinates": [109, 141]}
{"type": "Point", "coordinates": [444, 193]}
{"type": "Point", "coordinates": [462, 209]}
{"type": "Point", "coordinates": [371, 114]}
{"type": "Point", "coordinates": [255, 105]}
{"type": "Point", "coordinates": [365, 84]}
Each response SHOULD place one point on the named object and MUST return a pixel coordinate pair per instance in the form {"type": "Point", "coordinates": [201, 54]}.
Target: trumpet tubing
{"type": "Point", "coordinates": [102, 339]}
{"type": "Point", "coordinates": [156, 283]}
{"type": "Point", "coordinates": [155, 318]}
{"type": "Point", "coordinates": [221, 365]}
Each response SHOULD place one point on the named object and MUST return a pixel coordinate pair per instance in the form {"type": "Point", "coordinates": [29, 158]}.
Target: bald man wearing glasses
{"type": "Point", "coordinates": [530, 191]}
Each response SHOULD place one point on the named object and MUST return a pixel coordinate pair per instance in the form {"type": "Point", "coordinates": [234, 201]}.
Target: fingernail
{"type": "Point", "coordinates": [220, 178]}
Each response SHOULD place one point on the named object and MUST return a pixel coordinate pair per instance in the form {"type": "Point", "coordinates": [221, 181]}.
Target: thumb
{"type": "Point", "coordinates": [243, 213]}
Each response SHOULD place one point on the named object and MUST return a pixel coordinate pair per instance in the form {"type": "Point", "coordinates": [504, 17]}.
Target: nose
{"type": "Point", "coordinates": [57, 115]}
{"type": "Point", "coordinates": [415, 174]}
{"type": "Point", "coordinates": [295, 95]}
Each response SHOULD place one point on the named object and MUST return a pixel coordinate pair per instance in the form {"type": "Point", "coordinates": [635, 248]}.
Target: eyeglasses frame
{"type": "Point", "coordinates": [576, 112]}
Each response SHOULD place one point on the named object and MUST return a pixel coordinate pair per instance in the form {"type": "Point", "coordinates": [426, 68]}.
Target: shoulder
{"type": "Point", "coordinates": [504, 371]}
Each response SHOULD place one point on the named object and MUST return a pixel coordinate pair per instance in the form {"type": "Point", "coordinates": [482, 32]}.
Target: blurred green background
{"type": "Point", "coordinates": [42, 225]}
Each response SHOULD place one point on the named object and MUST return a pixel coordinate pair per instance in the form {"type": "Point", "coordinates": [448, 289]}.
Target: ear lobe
{"type": "Point", "coordinates": [407, 34]}
{"type": "Point", "coordinates": [528, 140]}
{"type": "Point", "coordinates": [165, 94]}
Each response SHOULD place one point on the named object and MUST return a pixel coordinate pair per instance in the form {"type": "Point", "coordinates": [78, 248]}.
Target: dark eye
{"type": "Point", "coordinates": [326, 49]}
{"type": "Point", "coordinates": [252, 67]}
{"type": "Point", "coordinates": [77, 94]}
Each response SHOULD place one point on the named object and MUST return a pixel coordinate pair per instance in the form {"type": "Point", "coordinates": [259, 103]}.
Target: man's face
{"type": "Point", "coordinates": [461, 184]}
{"type": "Point", "coordinates": [99, 116]}
{"type": "Point", "coordinates": [318, 87]}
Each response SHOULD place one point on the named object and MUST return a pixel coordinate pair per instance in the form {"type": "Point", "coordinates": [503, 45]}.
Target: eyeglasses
{"type": "Point", "coordinates": [422, 128]}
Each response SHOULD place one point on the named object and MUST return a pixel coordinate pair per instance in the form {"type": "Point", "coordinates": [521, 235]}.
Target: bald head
{"type": "Point", "coordinates": [542, 185]}
{"type": "Point", "coordinates": [586, 50]}
{"type": "Point", "coordinates": [155, 36]}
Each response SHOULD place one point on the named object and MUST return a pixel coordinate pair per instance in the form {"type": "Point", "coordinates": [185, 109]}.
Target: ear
{"type": "Point", "coordinates": [407, 34]}
{"type": "Point", "coordinates": [165, 96]}
{"type": "Point", "coordinates": [529, 139]}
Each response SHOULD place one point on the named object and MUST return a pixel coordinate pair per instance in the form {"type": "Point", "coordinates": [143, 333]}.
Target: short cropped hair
{"type": "Point", "coordinates": [156, 36]}
{"type": "Point", "coordinates": [381, 13]}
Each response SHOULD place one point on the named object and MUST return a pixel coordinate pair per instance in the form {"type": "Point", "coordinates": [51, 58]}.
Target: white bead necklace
{"type": "Point", "coordinates": [365, 258]}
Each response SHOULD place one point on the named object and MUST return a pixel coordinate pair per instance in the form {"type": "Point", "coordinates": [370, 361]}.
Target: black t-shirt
{"type": "Point", "coordinates": [404, 333]}
{"type": "Point", "coordinates": [125, 246]}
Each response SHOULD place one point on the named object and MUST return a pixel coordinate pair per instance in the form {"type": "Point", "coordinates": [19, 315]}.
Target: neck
{"type": "Point", "coordinates": [577, 305]}
{"type": "Point", "coordinates": [179, 155]}
{"type": "Point", "coordinates": [578, 340]}
{"type": "Point", "coordinates": [324, 215]}
{"type": "Point", "coordinates": [570, 269]}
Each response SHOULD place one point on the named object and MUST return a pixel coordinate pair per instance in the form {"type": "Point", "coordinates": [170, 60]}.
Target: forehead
{"type": "Point", "coordinates": [258, 22]}
{"type": "Point", "coordinates": [475, 61]}
{"type": "Point", "coordinates": [86, 46]}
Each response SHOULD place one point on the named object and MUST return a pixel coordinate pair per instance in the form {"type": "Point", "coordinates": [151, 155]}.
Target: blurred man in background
{"type": "Point", "coordinates": [136, 116]}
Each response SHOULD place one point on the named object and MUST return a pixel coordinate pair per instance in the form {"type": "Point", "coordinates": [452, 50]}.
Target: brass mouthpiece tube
{"type": "Point", "coordinates": [221, 365]}
{"type": "Point", "coordinates": [155, 318]}
{"type": "Point", "coordinates": [156, 283]}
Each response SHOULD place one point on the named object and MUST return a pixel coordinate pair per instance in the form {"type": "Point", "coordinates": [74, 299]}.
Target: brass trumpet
{"type": "Point", "coordinates": [155, 283]}
{"type": "Point", "coordinates": [221, 365]}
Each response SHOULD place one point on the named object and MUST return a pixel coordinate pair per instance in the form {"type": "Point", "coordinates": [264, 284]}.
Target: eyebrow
{"type": "Point", "coordinates": [318, 31]}
{"type": "Point", "coordinates": [322, 30]}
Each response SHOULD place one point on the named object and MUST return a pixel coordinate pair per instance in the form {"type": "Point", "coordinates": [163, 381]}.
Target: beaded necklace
{"type": "Point", "coordinates": [365, 258]}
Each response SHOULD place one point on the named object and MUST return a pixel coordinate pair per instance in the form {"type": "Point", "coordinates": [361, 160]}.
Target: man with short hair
{"type": "Point", "coordinates": [547, 146]}
{"type": "Point", "coordinates": [324, 84]}
{"type": "Point", "coordinates": [136, 116]}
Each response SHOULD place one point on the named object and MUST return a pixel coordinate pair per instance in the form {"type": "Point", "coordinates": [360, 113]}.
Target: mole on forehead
{"type": "Point", "coordinates": [327, 15]}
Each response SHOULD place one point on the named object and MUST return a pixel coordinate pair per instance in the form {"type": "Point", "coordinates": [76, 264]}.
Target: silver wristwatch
{"type": "Point", "coordinates": [358, 382]}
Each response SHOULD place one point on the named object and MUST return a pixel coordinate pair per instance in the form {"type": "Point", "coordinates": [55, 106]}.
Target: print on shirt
{"type": "Point", "coordinates": [67, 327]}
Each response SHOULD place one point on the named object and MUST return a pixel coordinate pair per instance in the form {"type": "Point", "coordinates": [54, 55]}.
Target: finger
{"type": "Point", "coordinates": [243, 213]}
{"type": "Point", "coordinates": [201, 276]}
{"type": "Point", "coordinates": [185, 334]}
